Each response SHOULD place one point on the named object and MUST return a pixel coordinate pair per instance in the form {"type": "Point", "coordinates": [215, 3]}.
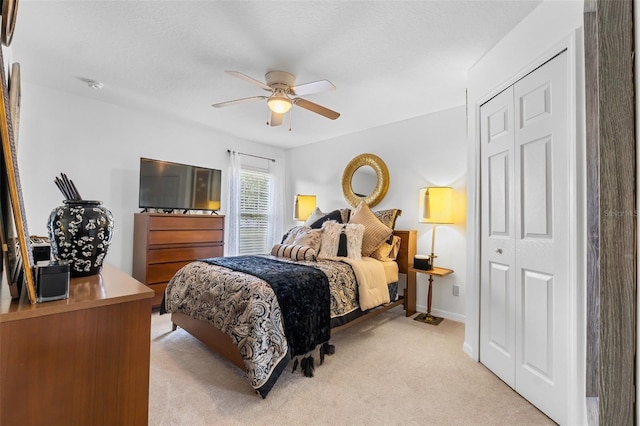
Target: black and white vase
{"type": "Point", "coordinates": [80, 233]}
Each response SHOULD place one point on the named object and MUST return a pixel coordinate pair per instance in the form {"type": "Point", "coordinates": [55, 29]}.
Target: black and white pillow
{"type": "Point", "coordinates": [334, 215]}
{"type": "Point", "coordinates": [295, 252]}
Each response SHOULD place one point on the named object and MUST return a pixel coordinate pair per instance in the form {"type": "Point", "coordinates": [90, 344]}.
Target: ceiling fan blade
{"type": "Point", "coordinates": [238, 101]}
{"type": "Point", "coordinates": [318, 109]}
{"type": "Point", "coordinates": [276, 119]}
{"type": "Point", "coordinates": [313, 87]}
{"type": "Point", "coordinates": [250, 80]}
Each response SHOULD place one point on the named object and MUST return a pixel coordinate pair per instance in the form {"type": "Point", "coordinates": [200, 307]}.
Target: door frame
{"type": "Point", "coordinates": [611, 141]}
{"type": "Point", "coordinates": [577, 257]}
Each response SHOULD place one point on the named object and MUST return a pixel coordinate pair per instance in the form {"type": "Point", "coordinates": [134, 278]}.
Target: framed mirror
{"type": "Point", "coordinates": [366, 178]}
{"type": "Point", "coordinates": [18, 257]}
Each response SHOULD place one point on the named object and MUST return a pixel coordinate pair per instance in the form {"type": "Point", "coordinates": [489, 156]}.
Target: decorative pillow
{"type": "Point", "coordinates": [315, 215]}
{"type": "Point", "coordinates": [375, 232]}
{"type": "Point", "coordinates": [293, 233]}
{"type": "Point", "coordinates": [334, 215]}
{"type": "Point", "coordinates": [345, 213]}
{"type": "Point", "coordinates": [388, 217]}
{"type": "Point", "coordinates": [387, 252]}
{"type": "Point", "coordinates": [341, 240]}
{"type": "Point", "coordinates": [310, 238]}
{"type": "Point", "coordinates": [294, 252]}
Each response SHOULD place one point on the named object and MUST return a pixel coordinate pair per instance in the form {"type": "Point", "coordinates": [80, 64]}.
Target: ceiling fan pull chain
{"type": "Point", "coordinates": [268, 117]}
{"type": "Point", "coordinates": [290, 119]}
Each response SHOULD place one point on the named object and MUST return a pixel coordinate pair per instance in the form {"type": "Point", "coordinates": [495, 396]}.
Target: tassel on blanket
{"type": "Point", "coordinates": [306, 365]}
{"type": "Point", "coordinates": [326, 349]}
{"type": "Point", "coordinates": [295, 365]}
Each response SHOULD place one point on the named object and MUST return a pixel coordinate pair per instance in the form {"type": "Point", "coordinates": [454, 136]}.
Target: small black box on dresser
{"type": "Point", "coordinates": [52, 280]}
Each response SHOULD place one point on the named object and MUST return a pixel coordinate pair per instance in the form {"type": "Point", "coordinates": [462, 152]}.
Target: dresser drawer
{"type": "Point", "coordinates": [185, 236]}
{"type": "Point", "coordinates": [162, 272]}
{"type": "Point", "coordinates": [184, 253]}
{"type": "Point", "coordinates": [186, 222]}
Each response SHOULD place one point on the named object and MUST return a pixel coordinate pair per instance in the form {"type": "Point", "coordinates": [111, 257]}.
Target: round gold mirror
{"type": "Point", "coordinates": [366, 178]}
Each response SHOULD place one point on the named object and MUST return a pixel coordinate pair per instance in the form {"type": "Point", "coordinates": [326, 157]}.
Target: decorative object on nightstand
{"type": "Point", "coordinates": [304, 206]}
{"type": "Point", "coordinates": [80, 231]}
{"type": "Point", "coordinates": [437, 208]}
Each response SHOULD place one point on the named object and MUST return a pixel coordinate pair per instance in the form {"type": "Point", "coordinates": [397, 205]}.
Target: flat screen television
{"type": "Point", "coordinates": [173, 186]}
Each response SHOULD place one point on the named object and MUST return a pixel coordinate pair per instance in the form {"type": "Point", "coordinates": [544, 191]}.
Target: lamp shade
{"type": "Point", "coordinates": [279, 103]}
{"type": "Point", "coordinates": [304, 206]}
{"type": "Point", "coordinates": [437, 203]}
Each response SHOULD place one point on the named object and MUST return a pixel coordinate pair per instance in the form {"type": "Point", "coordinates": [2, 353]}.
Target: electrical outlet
{"type": "Point", "coordinates": [456, 290]}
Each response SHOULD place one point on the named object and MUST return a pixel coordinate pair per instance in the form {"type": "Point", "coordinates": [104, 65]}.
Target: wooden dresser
{"type": "Point", "coordinates": [164, 243]}
{"type": "Point", "coordinates": [79, 361]}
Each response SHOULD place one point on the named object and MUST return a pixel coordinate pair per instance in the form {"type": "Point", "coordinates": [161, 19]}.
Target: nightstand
{"type": "Point", "coordinates": [434, 272]}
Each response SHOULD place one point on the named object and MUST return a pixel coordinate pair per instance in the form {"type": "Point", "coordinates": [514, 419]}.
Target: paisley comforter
{"type": "Point", "coordinates": [245, 308]}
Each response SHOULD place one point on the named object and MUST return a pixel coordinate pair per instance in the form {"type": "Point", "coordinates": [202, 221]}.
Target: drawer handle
{"type": "Point", "coordinates": [499, 250]}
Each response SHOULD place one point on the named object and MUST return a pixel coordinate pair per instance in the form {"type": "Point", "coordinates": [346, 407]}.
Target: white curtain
{"type": "Point", "coordinates": [233, 203]}
{"type": "Point", "coordinates": [277, 205]}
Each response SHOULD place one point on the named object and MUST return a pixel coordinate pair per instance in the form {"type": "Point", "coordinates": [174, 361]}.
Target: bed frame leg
{"type": "Point", "coordinates": [174, 326]}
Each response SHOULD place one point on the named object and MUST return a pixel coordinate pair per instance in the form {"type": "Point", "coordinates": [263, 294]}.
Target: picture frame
{"type": "Point", "coordinates": [18, 255]}
{"type": "Point", "coordinates": [14, 99]}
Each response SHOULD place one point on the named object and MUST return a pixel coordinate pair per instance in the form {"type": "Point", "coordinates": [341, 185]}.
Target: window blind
{"type": "Point", "coordinates": [254, 212]}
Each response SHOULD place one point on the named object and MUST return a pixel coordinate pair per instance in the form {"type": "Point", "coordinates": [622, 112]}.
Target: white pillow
{"type": "Point", "coordinates": [315, 215]}
{"type": "Point", "coordinates": [330, 243]}
{"type": "Point", "coordinates": [309, 237]}
{"type": "Point", "coordinates": [293, 233]}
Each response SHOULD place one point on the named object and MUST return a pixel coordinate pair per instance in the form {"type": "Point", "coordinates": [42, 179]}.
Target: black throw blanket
{"type": "Point", "coordinates": [302, 293]}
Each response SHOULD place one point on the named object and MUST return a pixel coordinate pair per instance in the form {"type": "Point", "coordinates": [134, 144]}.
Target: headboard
{"type": "Point", "coordinates": [408, 242]}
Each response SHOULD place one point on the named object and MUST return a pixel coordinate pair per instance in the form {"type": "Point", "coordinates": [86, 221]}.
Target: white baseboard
{"type": "Point", "coordinates": [444, 314]}
{"type": "Point", "coordinates": [466, 348]}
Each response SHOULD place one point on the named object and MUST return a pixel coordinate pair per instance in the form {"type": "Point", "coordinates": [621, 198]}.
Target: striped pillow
{"type": "Point", "coordinates": [295, 252]}
{"type": "Point", "coordinates": [375, 232]}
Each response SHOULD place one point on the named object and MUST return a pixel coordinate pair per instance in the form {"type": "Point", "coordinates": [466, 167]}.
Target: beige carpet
{"type": "Point", "coordinates": [390, 370]}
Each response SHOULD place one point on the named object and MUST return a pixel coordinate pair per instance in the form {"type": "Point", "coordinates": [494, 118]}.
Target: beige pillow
{"type": "Point", "coordinates": [375, 232]}
{"type": "Point", "coordinates": [387, 252]}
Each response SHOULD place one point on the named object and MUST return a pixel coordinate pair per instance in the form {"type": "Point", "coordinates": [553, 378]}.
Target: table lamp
{"type": "Point", "coordinates": [437, 205]}
{"type": "Point", "coordinates": [304, 206]}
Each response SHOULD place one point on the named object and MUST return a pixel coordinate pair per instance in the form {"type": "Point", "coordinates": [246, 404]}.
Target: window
{"type": "Point", "coordinates": [254, 212]}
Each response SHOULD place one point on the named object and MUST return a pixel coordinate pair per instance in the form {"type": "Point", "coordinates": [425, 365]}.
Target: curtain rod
{"type": "Point", "coordinates": [251, 155]}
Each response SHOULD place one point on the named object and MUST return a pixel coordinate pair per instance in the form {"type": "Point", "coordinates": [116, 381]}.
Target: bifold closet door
{"type": "Point", "coordinates": [525, 246]}
{"type": "Point", "coordinates": [497, 296]}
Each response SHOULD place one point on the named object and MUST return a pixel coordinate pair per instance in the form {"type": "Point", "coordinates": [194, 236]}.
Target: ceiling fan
{"type": "Point", "coordinates": [284, 94]}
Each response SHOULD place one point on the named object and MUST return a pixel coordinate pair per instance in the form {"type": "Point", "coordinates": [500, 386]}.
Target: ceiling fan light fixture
{"type": "Point", "coordinates": [279, 103]}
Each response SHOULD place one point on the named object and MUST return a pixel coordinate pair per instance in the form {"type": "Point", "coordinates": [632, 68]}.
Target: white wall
{"type": "Point", "coordinates": [425, 151]}
{"type": "Point", "coordinates": [99, 145]}
{"type": "Point", "coordinates": [554, 25]}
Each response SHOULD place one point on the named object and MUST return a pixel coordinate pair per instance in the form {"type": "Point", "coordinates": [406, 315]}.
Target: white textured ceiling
{"type": "Point", "coordinates": [390, 60]}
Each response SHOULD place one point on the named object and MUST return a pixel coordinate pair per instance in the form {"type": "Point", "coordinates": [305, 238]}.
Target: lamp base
{"type": "Point", "coordinates": [429, 319]}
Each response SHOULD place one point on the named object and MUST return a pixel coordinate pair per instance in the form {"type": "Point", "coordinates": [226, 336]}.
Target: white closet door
{"type": "Point", "coordinates": [525, 247]}
{"type": "Point", "coordinates": [542, 245]}
{"type": "Point", "coordinates": [497, 292]}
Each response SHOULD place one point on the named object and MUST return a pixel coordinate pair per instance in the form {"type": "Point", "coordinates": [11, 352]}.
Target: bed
{"type": "Point", "coordinates": [241, 306]}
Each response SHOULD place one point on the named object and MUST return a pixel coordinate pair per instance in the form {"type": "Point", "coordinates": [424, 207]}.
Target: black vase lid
{"type": "Point", "coordinates": [83, 202]}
